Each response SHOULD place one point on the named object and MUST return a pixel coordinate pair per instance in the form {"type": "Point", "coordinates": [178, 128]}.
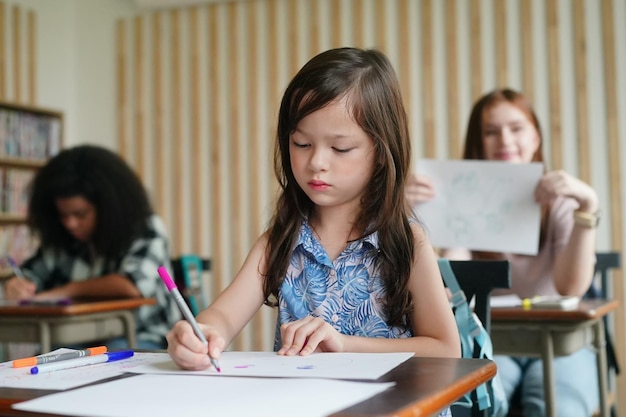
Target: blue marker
{"type": "Point", "coordinates": [87, 360]}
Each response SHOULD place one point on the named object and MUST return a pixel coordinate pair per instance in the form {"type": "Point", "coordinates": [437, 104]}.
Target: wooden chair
{"type": "Point", "coordinates": [188, 270]}
{"type": "Point", "coordinates": [477, 278]}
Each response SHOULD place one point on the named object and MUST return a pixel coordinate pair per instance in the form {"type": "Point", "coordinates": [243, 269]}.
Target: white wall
{"type": "Point", "coordinates": [76, 63]}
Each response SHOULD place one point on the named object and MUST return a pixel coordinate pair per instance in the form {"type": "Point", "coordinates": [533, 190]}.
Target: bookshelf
{"type": "Point", "coordinates": [29, 136]}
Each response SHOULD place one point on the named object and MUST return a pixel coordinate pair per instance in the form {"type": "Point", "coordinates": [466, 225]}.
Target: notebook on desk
{"type": "Point", "coordinates": [558, 302]}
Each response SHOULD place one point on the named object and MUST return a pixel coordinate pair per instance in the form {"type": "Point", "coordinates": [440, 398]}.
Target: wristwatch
{"type": "Point", "coordinates": [585, 219]}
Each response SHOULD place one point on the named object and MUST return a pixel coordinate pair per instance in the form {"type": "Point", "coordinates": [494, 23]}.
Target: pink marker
{"type": "Point", "coordinates": [182, 305]}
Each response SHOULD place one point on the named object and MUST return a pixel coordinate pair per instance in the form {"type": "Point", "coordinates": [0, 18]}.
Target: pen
{"type": "Point", "coordinates": [38, 360]}
{"type": "Point", "coordinates": [16, 269]}
{"type": "Point", "coordinates": [87, 360]}
{"type": "Point", "coordinates": [182, 305]}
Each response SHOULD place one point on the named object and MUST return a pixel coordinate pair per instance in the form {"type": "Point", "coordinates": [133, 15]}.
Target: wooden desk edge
{"type": "Point", "coordinates": [432, 405]}
{"type": "Point", "coordinates": [89, 307]}
{"type": "Point", "coordinates": [588, 310]}
{"type": "Point", "coordinates": [448, 396]}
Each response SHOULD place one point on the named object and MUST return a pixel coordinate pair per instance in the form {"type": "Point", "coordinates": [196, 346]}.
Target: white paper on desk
{"type": "Point", "coordinates": [508, 300]}
{"type": "Point", "coordinates": [269, 364]}
{"type": "Point", "coordinates": [190, 396]}
{"type": "Point", "coordinates": [482, 205]}
{"type": "Point", "coordinates": [70, 378]}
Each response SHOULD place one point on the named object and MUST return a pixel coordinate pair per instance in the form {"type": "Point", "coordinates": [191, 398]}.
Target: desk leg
{"type": "Point", "coordinates": [129, 322]}
{"type": "Point", "coordinates": [44, 336]}
{"type": "Point", "coordinates": [547, 358]}
{"type": "Point", "coordinates": [599, 343]}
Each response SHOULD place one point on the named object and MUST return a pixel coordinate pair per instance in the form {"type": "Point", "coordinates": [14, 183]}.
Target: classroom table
{"type": "Point", "coordinates": [423, 386]}
{"type": "Point", "coordinates": [546, 333]}
{"type": "Point", "coordinates": [81, 321]}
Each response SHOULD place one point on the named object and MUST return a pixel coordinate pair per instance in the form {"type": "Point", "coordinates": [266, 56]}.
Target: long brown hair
{"type": "Point", "coordinates": [474, 148]}
{"type": "Point", "coordinates": [369, 82]}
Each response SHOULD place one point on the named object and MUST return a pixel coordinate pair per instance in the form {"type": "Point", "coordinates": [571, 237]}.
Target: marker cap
{"type": "Point", "coordinates": [19, 363]}
{"type": "Point", "coordinates": [169, 283]}
{"type": "Point", "coordinates": [116, 356]}
{"type": "Point", "coordinates": [97, 350]}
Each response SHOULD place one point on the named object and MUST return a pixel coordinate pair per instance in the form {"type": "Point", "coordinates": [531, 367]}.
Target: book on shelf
{"type": "Point", "coordinates": [28, 135]}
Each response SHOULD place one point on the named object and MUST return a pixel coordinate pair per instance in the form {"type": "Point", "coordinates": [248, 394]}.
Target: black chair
{"type": "Point", "coordinates": [477, 278]}
{"type": "Point", "coordinates": [600, 288]}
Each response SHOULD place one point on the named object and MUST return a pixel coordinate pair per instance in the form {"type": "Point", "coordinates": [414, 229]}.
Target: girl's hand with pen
{"type": "Point", "coordinates": [18, 288]}
{"type": "Point", "coordinates": [187, 351]}
{"type": "Point", "coordinates": [310, 334]}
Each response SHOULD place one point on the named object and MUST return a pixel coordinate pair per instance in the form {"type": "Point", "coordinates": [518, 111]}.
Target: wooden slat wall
{"type": "Point", "coordinates": [554, 84]}
{"type": "Point", "coordinates": [31, 63]}
{"type": "Point", "coordinates": [581, 90]}
{"type": "Point", "coordinates": [614, 175]}
{"type": "Point", "coordinates": [21, 44]}
{"type": "Point", "coordinates": [16, 15]}
{"type": "Point", "coordinates": [3, 52]}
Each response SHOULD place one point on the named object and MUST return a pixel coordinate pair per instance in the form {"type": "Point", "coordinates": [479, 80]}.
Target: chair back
{"type": "Point", "coordinates": [477, 278]}
{"type": "Point", "coordinates": [605, 261]}
{"type": "Point", "coordinates": [188, 270]}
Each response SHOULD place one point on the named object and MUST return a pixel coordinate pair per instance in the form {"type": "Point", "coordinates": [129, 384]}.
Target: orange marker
{"type": "Point", "coordinates": [38, 360]}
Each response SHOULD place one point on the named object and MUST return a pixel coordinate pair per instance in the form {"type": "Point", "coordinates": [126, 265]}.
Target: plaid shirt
{"type": "Point", "coordinates": [49, 268]}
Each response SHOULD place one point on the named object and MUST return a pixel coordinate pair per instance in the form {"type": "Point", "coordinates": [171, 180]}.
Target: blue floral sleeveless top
{"type": "Point", "coordinates": [347, 293]}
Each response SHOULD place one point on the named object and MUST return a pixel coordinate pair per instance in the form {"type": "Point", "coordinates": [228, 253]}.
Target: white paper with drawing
{"type": "Point", "coordinates": [482, 205]}
{"type": "Point", "coordinates": [346, 365]}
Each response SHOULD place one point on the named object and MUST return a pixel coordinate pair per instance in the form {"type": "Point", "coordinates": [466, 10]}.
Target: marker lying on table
{"type": "Point", "coordinates": [182, 305]}
{"type": "Point", "coordinates": [41, 359]}
{"type": "Point", "coordinates": [87, 360]}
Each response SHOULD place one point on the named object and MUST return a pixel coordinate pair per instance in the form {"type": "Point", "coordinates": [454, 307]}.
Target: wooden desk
{"type": "Point", "coordinates": [79, 322]}
{"type": "Point", "coordinates": [423, 387]}
{"type": "Point", "coordinates": [547, 333]}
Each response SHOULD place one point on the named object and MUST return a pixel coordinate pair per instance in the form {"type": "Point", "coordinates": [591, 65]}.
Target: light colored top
{"type": "Point", "coordinates": [50, 268]}
{"type": "Point", "coordinates": [532, 275]}
{"type": "Point", "coordinates": [347, 293]}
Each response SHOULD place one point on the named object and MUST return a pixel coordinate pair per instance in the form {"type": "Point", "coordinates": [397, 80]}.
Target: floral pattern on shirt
{"type": "Point", "coordinates": [347, 293]}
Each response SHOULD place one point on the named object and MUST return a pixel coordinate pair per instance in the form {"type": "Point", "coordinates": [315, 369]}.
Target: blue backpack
{"type": "Point", "coordinates": [475, 343]}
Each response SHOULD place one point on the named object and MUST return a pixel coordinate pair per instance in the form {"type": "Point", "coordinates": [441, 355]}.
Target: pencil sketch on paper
{"type": "Point", "coordinates": [482, 205]}
{"type": "Point", "coordinates": [471, 210]}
